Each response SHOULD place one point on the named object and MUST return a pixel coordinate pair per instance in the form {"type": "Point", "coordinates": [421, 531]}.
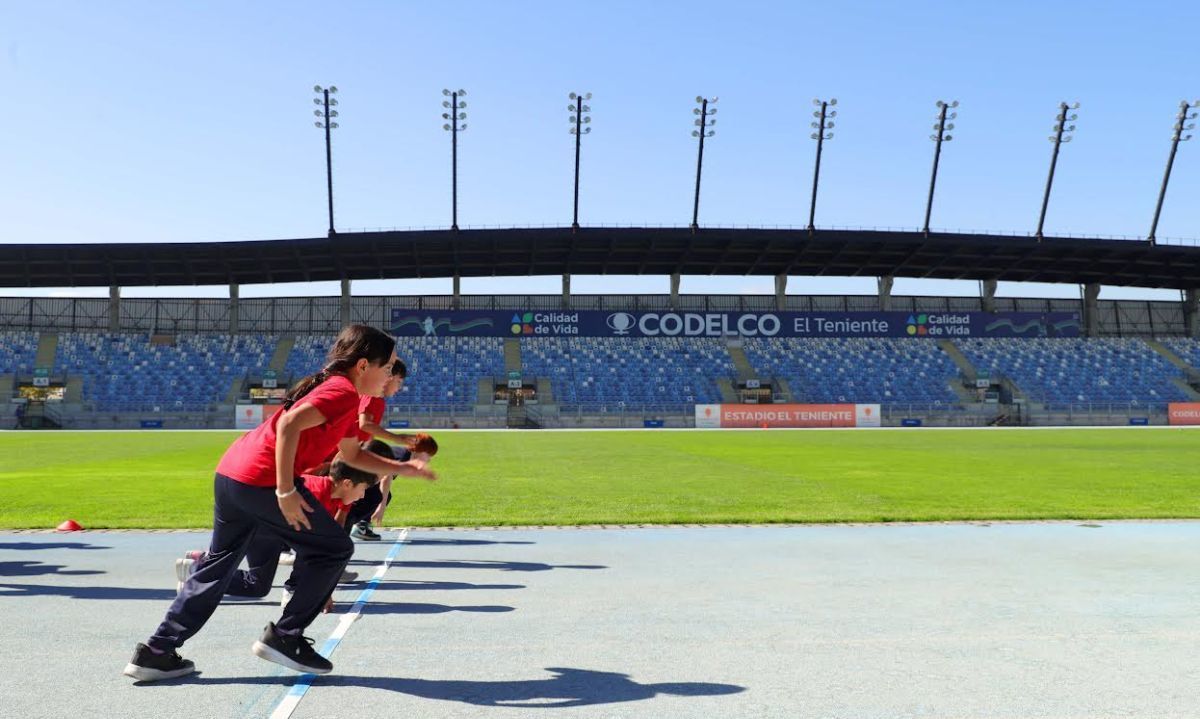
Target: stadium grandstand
{"type": "Point", "coordinates": [609, 360]}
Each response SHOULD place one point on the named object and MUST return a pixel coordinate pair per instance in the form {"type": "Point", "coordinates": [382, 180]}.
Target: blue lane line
{"type": "Point", "coordinates": [305, 680]}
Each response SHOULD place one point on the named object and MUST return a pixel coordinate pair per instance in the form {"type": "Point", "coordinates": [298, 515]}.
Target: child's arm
{"type": "Point", "coordinates": [356, 456]}
{"type": "Point", "coordinates": [373, 428]}
{"type": "Point", "coordinates": [287, 432]}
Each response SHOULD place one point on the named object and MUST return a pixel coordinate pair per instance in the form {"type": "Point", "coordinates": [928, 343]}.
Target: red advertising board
{"type": "Point", "coordinates": [1184, 412]}
{"type": "Point", "coordinates": [787, 415]}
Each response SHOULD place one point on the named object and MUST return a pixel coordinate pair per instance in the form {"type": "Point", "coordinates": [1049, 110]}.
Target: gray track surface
{"type": "Point", "coordinates": [1007, 620]}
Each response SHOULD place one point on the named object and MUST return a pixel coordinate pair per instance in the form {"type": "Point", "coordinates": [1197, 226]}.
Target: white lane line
{"type": "Point", "coordinates": [291, 700]}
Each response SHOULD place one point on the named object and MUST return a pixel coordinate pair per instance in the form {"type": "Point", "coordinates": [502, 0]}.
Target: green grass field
{"type": "Point", "coordinates": [163, 479]}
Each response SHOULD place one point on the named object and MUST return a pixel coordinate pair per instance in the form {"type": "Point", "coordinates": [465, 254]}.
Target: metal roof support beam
{"type": "Point", "coordinates": [885, 292]}
{"type": "Point", "coordinates": [114, 308]}
{"type": "Point", "coordinates": [1091, 309]}
{"type": "Point", "coordinates": [566, 291]}
{"type": "Point", "coordinates": [675, 291]}
{"type": "Point", "coordinates": [987, 295]}
{"type": "Point", "coordinates": [345, 307]}
{"type": "Point", "coordinates": [233, 308]}
{"type": "Point", "coordinates": [781, 291]}
{"type": "Point", "coordinates": [1191, 312]}
{"type": "Point", "coordinates": [456, 300]}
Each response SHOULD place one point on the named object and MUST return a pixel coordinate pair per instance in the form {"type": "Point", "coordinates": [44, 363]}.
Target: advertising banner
{"type": "Point", "coordinates": [925, 325]}
{"type": "Point", "coordinates": [787, 415]}
{"type": "Point", "coordinates": [1184, 413]}
{"type": "Point", "coordinates": [248, 416]}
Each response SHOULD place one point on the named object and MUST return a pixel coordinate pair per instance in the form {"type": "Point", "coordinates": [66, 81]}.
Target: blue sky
{"type": "Point", "coordinates": [161, 121]}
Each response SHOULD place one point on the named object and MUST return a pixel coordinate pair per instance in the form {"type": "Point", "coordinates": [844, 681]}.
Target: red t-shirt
{"type": "Point", "coordinates": [373, 407]}
{"type": "Point", "coordinates": [321, 489]}
{"type": "Point", "coordinates": [251, 459]}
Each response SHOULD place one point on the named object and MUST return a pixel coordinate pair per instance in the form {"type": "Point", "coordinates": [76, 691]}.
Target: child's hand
{"type": "Point", "coordinates": [293, 508]}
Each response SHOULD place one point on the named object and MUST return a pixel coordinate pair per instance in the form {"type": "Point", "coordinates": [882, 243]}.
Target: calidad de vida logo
{"type": "Point", "coordinates": [939, 325]}
{"type": "Point", "coordinates": [545, 323]}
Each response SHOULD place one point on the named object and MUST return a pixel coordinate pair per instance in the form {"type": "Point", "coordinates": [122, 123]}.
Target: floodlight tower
{"type": "Point", "coordinates": [1181, 125]}
{"type": "Point", "coordinates": [326, 123]}
{"type": "Point", "coordinates": [454, 117]}
{"type": "Point", "coordinates": [941, 134]}
{"type": "Point", "coordinates": [580, 125]}
{"type": "Point", "coordinates": [1062, 135]}
{"type": "Point", "coordinates": [822, 125]}
{"type": "Point", "coordinates": [703, 124]}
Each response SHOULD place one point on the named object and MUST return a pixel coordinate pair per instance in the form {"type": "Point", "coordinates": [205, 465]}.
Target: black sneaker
{"type": "Point", "coordinates": [294, 652]}
{"type": "Point", "coordinates": [146, 666]}
{"type": "Point", "coordinates": [363, 531]}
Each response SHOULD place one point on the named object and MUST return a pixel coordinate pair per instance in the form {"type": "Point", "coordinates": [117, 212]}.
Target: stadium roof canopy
{"type": "Point", "coordinates": [600, 251]}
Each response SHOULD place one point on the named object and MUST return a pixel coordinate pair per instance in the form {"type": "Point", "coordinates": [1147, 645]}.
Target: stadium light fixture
{"type": "Point", "coordinates": [704, 124]}
{"type": "Point", "coordinates": [326, 121]}
{"type": "Point", "coordinates": [822, 125]}
{"type": "Point", "coordinates": [1186, 112]}
{"type": "Point", "coordinates": [580, 125]}
{"type": "Point", "coordinates": [1062, 134]}
{"type": "Point", "coordinates": [454, 124]}
{"type": "Point", "coordinates": [941, 134]}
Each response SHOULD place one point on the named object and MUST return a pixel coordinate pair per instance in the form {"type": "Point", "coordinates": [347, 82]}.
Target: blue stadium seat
{"type": "Point", "coordinates": [629, 370]}
{"type": "Point", "coordinates": [1187, 348]}
{"type": "Point", "coordinates": [18, 351]}
{"type": "Point", "coordinates": [442, 371]}
{"type": "Point", "coordinates": [1066, 371]}
{"type": "Point", "coordinates": [882, 370]}
{"type": "Point", "coordinates": [124, 372]}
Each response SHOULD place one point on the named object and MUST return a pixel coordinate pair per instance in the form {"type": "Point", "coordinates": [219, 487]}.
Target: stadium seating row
{"type": "Point", "coordinates": [129, 372]}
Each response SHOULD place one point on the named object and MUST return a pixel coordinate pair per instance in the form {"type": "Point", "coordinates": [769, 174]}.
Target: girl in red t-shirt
{"type": "Point", "coordinates": [255, 491]}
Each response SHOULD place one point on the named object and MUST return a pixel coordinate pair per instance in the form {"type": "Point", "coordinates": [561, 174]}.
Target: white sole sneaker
{"type": "Point", "coordinates": [183, 567]}
{"type": "Point", "coordinates": [348, 577]}
{"type": "Point", "coordinates": [146, 674]}
{"type": "Point", "coordinates": [262, 651]}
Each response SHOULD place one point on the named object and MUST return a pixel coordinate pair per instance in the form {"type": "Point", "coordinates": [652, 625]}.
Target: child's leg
{"type": "Point", "coordinates": [321, 556]}
{"type": "Point", "coordinates": [263, 558]}
{"type": "Point", "coordinates": [233, 529]}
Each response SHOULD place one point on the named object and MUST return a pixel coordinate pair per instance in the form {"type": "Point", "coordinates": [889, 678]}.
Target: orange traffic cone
{"type": "Point", "coordinates": [68, 526]}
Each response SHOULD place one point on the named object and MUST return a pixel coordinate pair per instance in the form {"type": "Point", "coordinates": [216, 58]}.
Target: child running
{"type": "Point", "coordinates": [344, 486]}
{"type": "Point", "coordinates": [370, 509]}
{"type": "Point", "coordinates": [255, 492]}
{"type": "Point", "coordinates": [370, 416]}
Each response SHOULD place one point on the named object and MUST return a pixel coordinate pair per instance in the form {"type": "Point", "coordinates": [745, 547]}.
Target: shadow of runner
{"type": "Point", "coordinates": [567, 688]}
{"type": "Point", "coordinates": [441, 586]}
{"type": "Point", "coordinates": [22, 546]}
{"type": "Point", "coordinates": [458, 542]}
{"type": "Point", "coordinates": [418, 608]}
{"type": "Point", "coordinates": [35, 569]}
{"type": "Point", "coordinates": [44, 590]}
{"type": "Point", "coordinates": [495, 564]}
